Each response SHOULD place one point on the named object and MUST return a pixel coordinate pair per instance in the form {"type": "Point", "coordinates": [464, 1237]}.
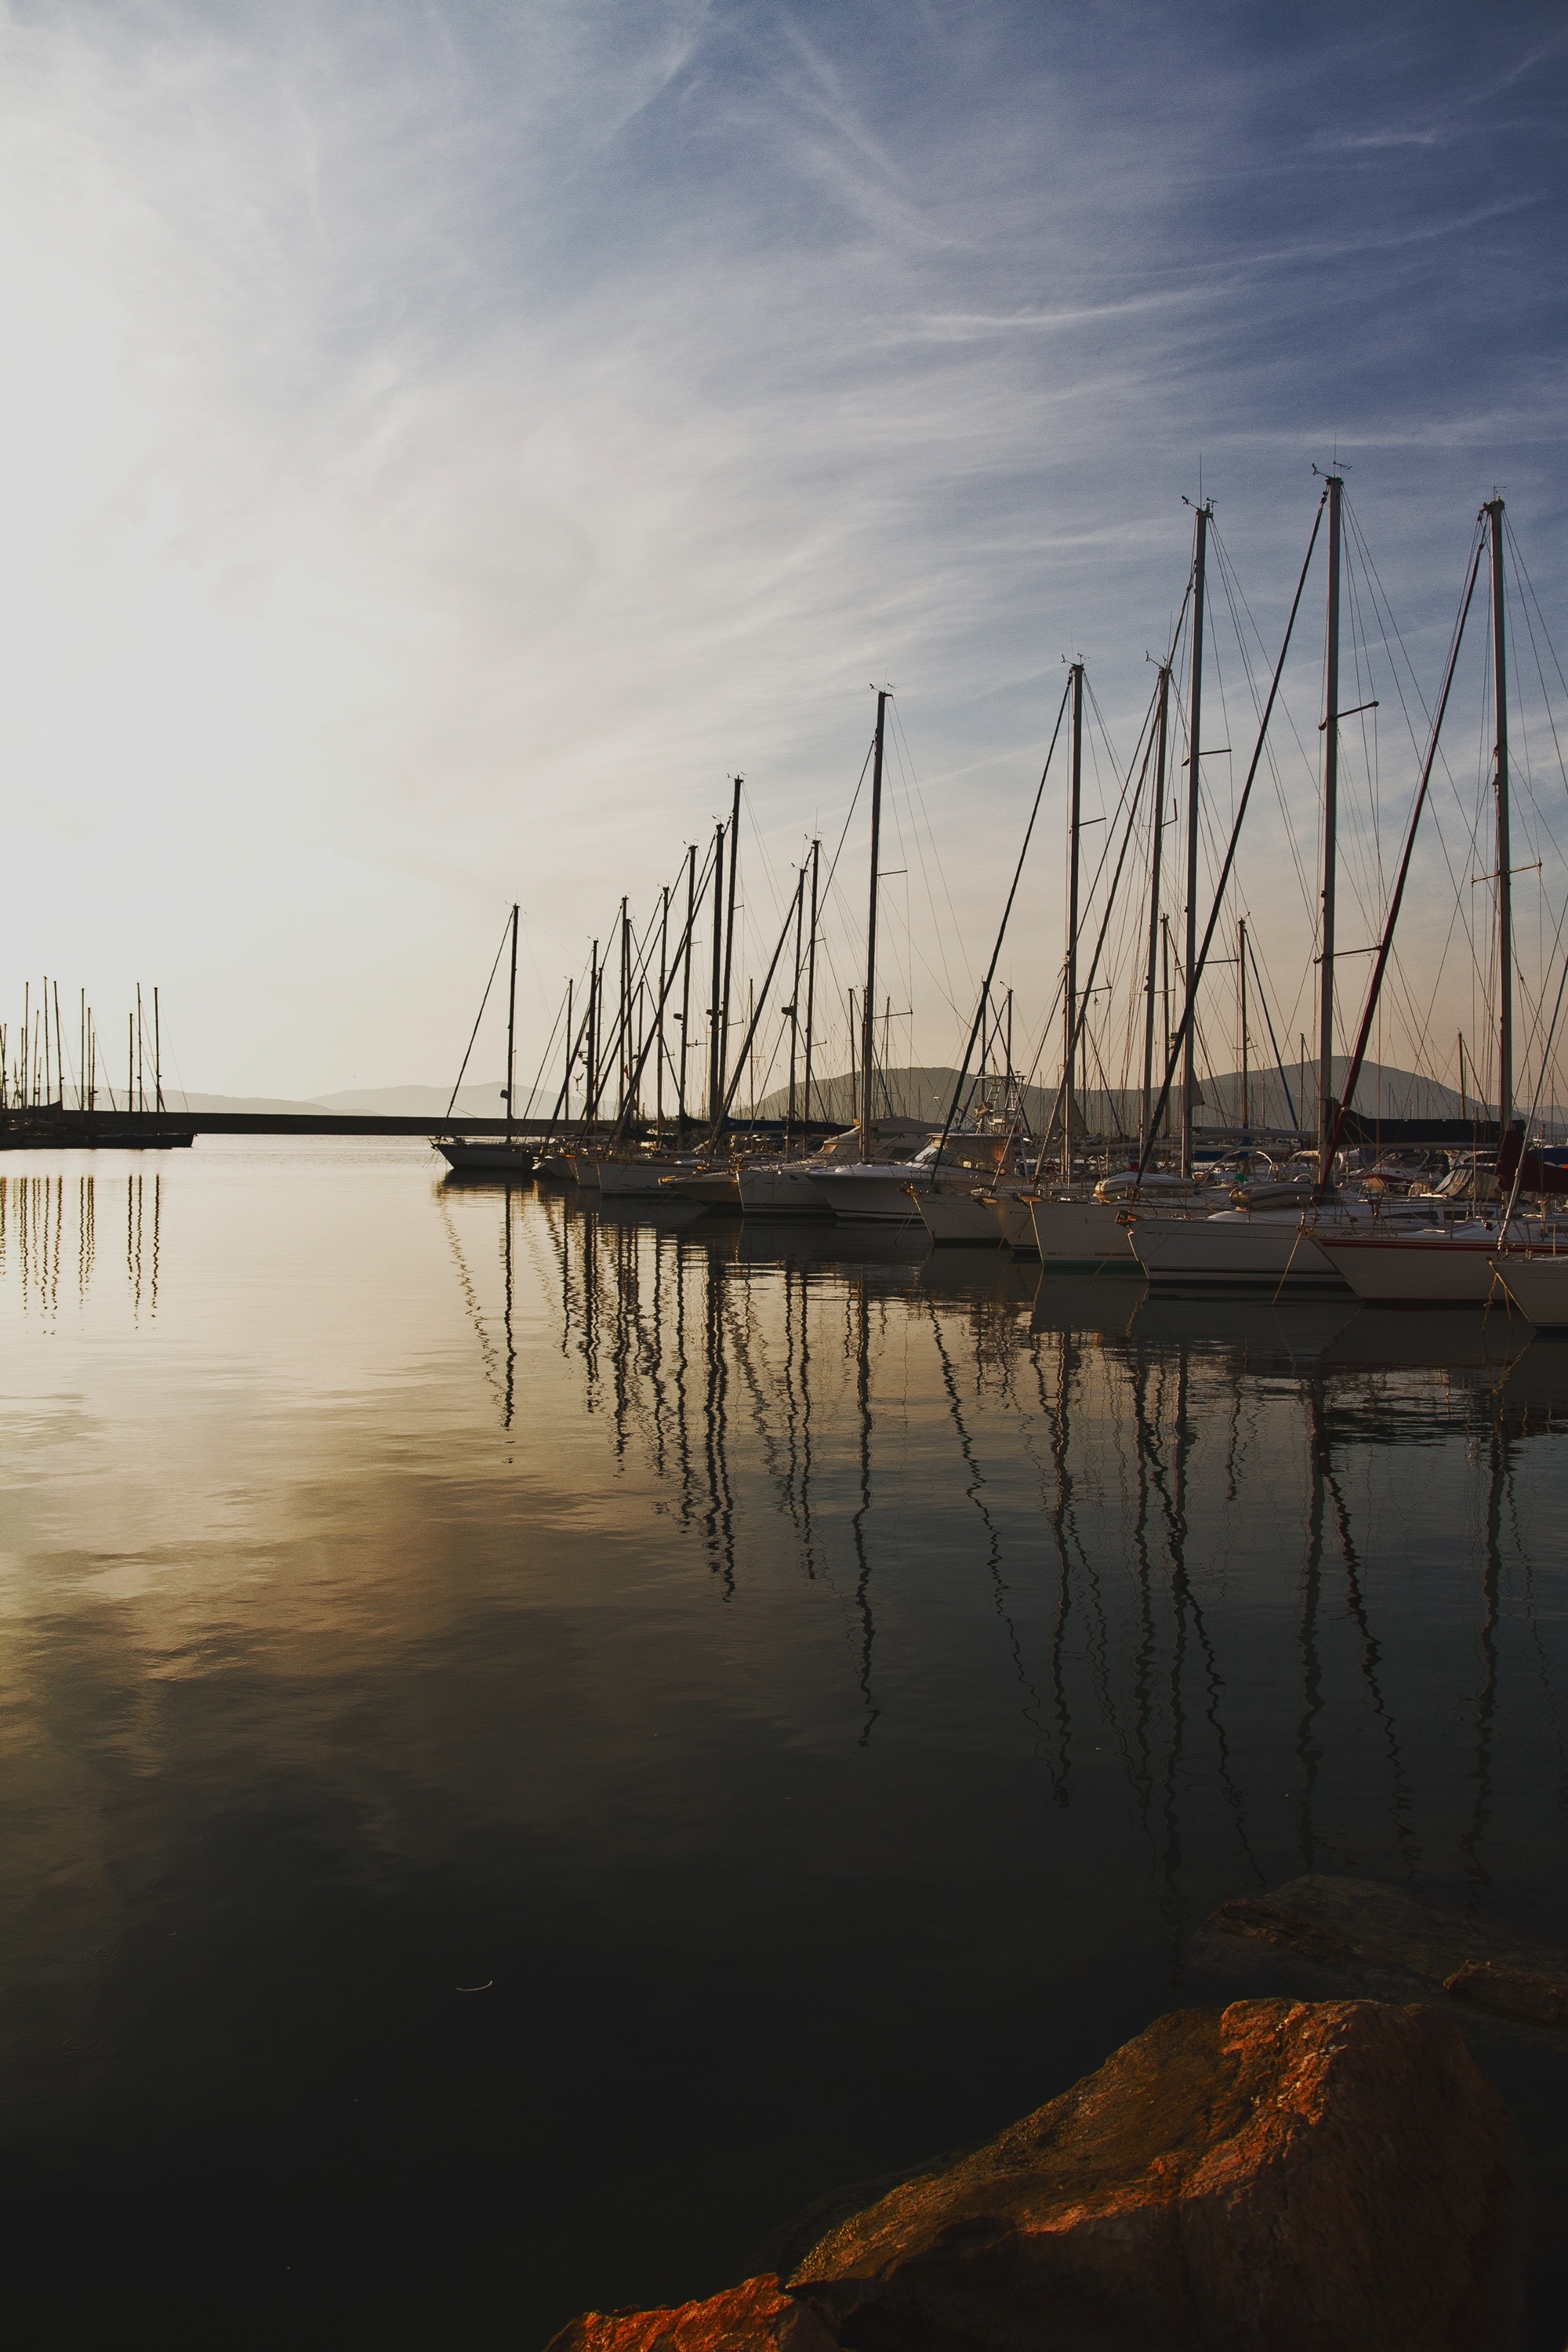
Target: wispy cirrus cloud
{"type": "Point", "coordinates": [441, 443]}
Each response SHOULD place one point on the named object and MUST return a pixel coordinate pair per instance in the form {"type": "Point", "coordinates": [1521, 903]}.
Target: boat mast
{"type": "Point", "coordinates": [663, 985]}
{"type": "Point", "coordinates": [571, 1058]}
{"type": "Point", "coordinates": [715, 1070]}
{"type": "Point", "coordinates": [510, 1029]}
{"type": "Point", "coordinates": [1161, 742]}
{"type": "Point", "coordinates": [1241, 978]}
{"type": "Point", "coordinates": [1327, 1111]}
{"type": "Point", "coordinates": [591, 1066]}
{"type": "Point", "coordinates": [730, 938]}
{"type": "Point", "coordinates": [685, 979]}
{"type": "Point", "coordinates": [623, 1023]}
{"type": "Point", "coordinates": [1195, 774]}
{"type": "Point", "coordinates": [1069, 993]}
{"type": "Point", "coordinates": [868, 1006]}
{"type": "Point", "coordinates": [1493, 509]}
{"type": "Point", "coordinates": [811, 979]}
{"type": "Point", "coordinates": [793, 1008]}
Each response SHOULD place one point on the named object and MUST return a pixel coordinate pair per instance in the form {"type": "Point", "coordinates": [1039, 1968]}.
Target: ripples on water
{"type": "Point", "coordinates": [813, 1692]}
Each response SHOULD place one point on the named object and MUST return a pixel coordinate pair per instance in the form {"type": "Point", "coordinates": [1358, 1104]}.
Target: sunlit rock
{"type": "Point", "coordinates": [1277, 2177]}
{"type": "Point", "coordinates": [756, 2317]}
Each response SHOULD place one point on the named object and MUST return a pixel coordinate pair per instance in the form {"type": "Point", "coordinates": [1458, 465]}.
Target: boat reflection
{"type": "Point", "coordinates": [48, 1236]}
{"type": "Point", "coordinates": [1250, 1558]}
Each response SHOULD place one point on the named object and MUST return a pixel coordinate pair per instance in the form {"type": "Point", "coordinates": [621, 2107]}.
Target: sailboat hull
{"type": "Point", "coordinates": [1234, 1252]}
{"type": "Point", "coordinates": [1538, 1287]}
{"type": "Point", "coordinates": [881, 1195]}
{"type": "Point", "coordinates": [489, 1159]}
{"type": "Point", "coordinates": [1084, 1237]}
{"type": "Point", "coordinates": [1417, 1272]}
{"type": "Point", "coordinates": [961, 1218]}
{"type": "Point", "coordinates": [638, 1179]}
{"type": "Point", "coordinates": [780, 1192]}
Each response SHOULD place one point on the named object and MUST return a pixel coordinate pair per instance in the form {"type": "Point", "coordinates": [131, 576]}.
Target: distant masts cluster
{"type": "Point", "coordinates": [38, 1070]}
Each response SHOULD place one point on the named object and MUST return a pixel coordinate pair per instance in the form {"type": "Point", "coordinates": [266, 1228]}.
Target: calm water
{"type": "Point", "coordinates": [813, 1692]}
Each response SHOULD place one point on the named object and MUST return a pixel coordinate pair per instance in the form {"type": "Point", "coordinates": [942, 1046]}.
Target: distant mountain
{"type": "Point", "coordinates": [1274, 1098]}
{"type": "Point", "coordinates": [406, 1102]}
{"type": "Point", "coordinates": [474, 1101]}
{"type": "Point", "coordinates": [177, 1101]}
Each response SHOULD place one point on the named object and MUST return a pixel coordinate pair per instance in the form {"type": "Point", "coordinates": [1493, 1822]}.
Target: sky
{"type": "Point", "coordinates": [443, 444]}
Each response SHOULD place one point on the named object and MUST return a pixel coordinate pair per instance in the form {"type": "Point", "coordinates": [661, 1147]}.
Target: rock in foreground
{"type": "Point", "coordinates": [1280, 2176]}
{"type": "Point", "coordinates": [754, 2318]}
{"type": "Point", "coordinates": [1277, 2176]}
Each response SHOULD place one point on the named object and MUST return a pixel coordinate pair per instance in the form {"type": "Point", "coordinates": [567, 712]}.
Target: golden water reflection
{"type": "Point", "coordinates": [757, 1654]}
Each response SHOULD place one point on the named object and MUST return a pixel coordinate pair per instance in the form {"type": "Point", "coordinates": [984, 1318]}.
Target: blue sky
{"type": "Point", "coordinates": [442, 443]}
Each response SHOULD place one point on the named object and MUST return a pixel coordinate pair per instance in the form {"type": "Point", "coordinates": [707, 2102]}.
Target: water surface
{"type": "Point", "coordinates": [536, 1743]}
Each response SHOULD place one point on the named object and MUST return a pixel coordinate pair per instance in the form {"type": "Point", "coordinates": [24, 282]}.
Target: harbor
{"type": "Point", "coordinates": [783, 1178]}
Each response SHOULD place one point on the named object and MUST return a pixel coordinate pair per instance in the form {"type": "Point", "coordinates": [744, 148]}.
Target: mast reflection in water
{"type": "Point", "coordinates": [811, 1690]}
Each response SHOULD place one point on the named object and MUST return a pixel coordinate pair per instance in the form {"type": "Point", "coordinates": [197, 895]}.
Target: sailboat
{"type": "Point", "coordinates": [866, 1187]}
{"type": "Point", "coordinates": [488, 1155]}
{"type": "Point", "coordinates": [1456, 1266]}
{"type": "Point", "coordinates": [1241, 1248]}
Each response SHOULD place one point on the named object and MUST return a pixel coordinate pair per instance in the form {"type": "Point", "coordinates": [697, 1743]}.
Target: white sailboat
{"type": "Point", "coordinates": [1456, 1267]}
{"type": "Point", "coordinates": [1538, 1284]}
{"type": "Point", "coordinates": [493, 1155]}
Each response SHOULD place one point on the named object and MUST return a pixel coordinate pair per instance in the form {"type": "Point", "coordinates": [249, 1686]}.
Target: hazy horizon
{"type": "Point", "coordinates": [447, 442]}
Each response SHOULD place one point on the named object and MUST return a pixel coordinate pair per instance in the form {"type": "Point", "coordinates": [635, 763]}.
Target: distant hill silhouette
{"type": "Point", "coordinates": [390, 1102]}
{"type": "Point", "coordinates": [1383, 1091]}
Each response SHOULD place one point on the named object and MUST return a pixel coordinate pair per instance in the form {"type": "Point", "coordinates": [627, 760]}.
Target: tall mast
{"type": "Point", "coordinates": [1241, 984]}
{"type": "Point", "coordinates": [1195, 786]}
{"type": "Point", "coordinates": [715, 1035]}
{"type": "Point", "coordinates": [853, 1068]}
{"type": "Point", "coordinates": [626, 1019]}
{"type": "Point", "coordinates": [730, 939]}
{"type": "Point", "coordinates": [571, 1058]}
{"type": "Point", "coordinates": [1327, 1110]}
{"type": "Point", "coordinates": [1161, 742]}
{"type": "Point", "coordinates": [685, 979]}
{"type": "Point", "coordinates": [663, 985]}
{"type": "Point", "coordinates": [1165, 1001]}
{"type": "Point", "coordinates": [793, 1008]}
{"type": "Point", "coordinates": [510, 1029]}
{"type": "Point", "coordinates": [811, 978]}
{"type": "Point", "coordinates": [1494, 510]}
{"type": "Point", "coordinates": [869, 1007]}
{"type": "Point", "coordinates": [591, 1066]}
{"type": "Point", "coordinates": [1069, 993]}
{"type": "Point", "coordinates": [157, 1041]}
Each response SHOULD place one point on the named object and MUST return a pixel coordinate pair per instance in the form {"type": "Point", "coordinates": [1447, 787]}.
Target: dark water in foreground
{"type": "Point", "coordinates": [814, 1693]}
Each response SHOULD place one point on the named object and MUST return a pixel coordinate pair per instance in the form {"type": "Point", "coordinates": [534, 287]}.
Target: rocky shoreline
{"type": "Point", "coordinates": [1328, 2165]}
